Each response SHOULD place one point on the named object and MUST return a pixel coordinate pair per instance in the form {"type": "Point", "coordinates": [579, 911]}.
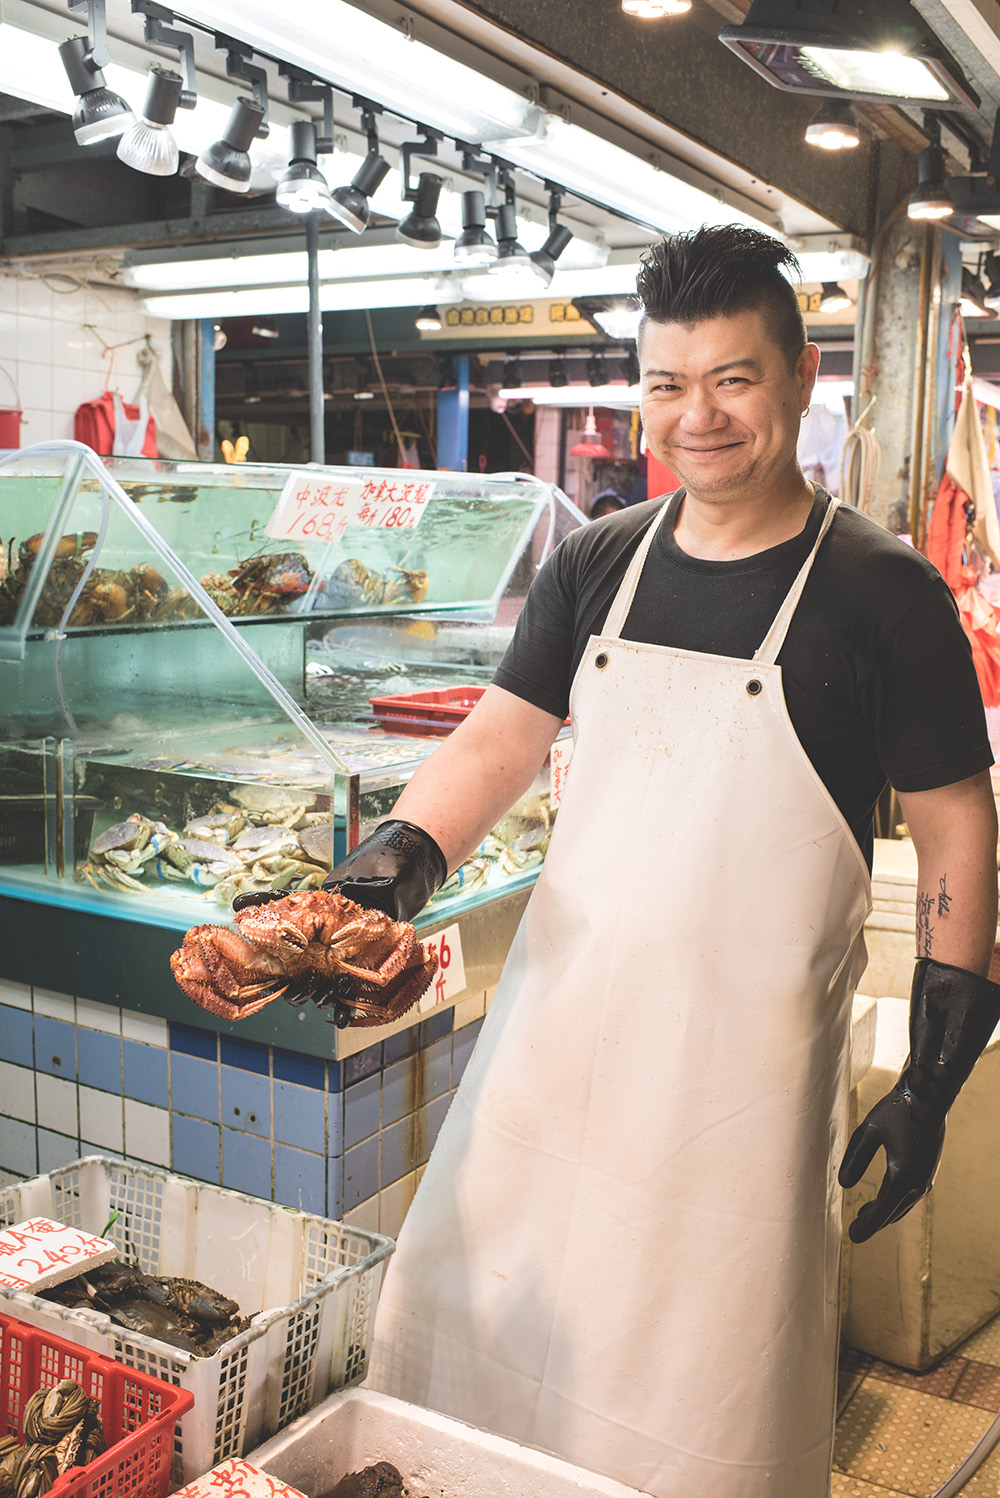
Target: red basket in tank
{"type": "Point", "coordinates": [139, 1412]}
{"type": "Point", "coordinates": [426, 712]}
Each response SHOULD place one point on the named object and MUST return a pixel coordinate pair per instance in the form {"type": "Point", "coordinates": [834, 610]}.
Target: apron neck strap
{"type": "Point", "coordinates": [767, 652]}
{"type": "Point", "coordinates": [618, 612]}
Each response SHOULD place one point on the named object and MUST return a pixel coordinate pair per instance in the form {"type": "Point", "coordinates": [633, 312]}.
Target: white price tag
{"type": "Point", "coordinates": [314, 507]}
{"type": "Point", "coordinates": [40, 1252]}
{"type": "Point", "coordinates": [449, 980]}
{"type": "Point", "coordinates": [559, 759]}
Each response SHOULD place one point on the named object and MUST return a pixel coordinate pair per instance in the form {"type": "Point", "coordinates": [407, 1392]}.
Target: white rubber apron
{"type": "Point", "coordinates": [625, 1247]}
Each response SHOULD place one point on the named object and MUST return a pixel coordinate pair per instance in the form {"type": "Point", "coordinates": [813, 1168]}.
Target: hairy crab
{"type": "Point", "coordinates": [313, 944]}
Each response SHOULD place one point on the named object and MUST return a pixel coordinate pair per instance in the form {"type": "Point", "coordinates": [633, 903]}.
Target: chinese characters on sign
{"type": "Point", "coordinates": [484, 317]}
{"type": "Point", "coordinates": [559, 757]}
{"type": "Point", "coordinates": [237, 1479]}
{"type": "Point", "coordinates": [449, 980]}
{"type": "Point", "coordinates": [314, 507]}
{"type": "Point", "coordinates": [40, 1252]}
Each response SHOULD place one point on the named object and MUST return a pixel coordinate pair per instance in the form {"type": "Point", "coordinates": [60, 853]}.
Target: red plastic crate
{"type": "Point", "coordinates": [139, 1412]}
{"type": "Point", "coordinates": [426, 712]}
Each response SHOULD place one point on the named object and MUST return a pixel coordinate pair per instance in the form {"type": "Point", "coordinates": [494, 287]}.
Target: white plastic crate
{"type": "Point", "coordinates": [310, 1284]}
{"type": "Point", "coordinates": [433, 1454]}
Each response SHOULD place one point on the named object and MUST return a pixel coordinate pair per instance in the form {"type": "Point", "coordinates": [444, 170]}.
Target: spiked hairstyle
{"type": "Point", "coordinates": [717, 272]}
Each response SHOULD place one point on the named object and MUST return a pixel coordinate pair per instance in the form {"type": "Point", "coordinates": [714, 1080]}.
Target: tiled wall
{"type": "Point", "coordinates": [346, 1139]}
{"type": "Point", "coordinates": [63, 341]}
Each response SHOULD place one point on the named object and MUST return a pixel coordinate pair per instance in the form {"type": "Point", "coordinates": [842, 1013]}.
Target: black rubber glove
{"type": "Point", "coordinates": [396, 870]}
{"type": "Point", "coordinates": [953, 1013]}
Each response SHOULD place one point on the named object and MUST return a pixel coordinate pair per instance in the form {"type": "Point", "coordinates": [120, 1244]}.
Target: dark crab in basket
{"type": "Point", "coordinates": [183, 1312]}
{"type": "Point", "coordinates": [309, 945]}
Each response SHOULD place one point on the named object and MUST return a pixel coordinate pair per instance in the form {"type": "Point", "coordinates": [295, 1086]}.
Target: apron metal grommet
{"type": "Point", "coordinates": [600, 661]}
{"type": "Point", "coordinates": [753, 687]}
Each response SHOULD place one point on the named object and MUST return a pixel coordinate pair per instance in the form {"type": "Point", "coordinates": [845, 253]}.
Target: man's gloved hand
{"type": "Point", "coordinates": [396, 870]}
{"type": "Point", "coordinates": [953, 1013]}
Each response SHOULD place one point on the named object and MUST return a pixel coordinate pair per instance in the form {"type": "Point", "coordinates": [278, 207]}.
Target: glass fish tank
{"type": "Point", "coordinates": [189, 654]}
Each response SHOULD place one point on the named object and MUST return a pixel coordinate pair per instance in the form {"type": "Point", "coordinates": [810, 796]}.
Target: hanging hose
{"type": "Point", "coordinates": [860, 464]}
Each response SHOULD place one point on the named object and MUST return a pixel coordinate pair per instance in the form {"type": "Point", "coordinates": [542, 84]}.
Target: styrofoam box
{"type": "Point", "coordinates": [310, 1284]}
{"type": "Point", "coordinates": [437, 1456]}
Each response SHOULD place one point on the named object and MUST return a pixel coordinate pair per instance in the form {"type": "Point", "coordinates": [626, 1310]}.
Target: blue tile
{"type": "Point", "coordinates": [100, 1060]}
{"type": "Point", "coordinates": [299, 1117]}
{"type": "Point", "coordinates": [361, 1110]}
{"type": "Point", "coordinates": [18, 1147]}
{"type": "Point", "coordinates": [192, 1042]}
{"type": "Point", "coordinates": [248, 1055]}
{"type": "Point", "coordinates": [305, 1071]}
{"type": "Point", "coordinates": [399, 1151]}
{"type": "Point", "coordinates": [16, 1043]}
{"type": "Point", "coordinates": [335, 1188]}
{"type": "Point", "coordinates": [461, 1049]}
{"type": "Point", "coordinates": [246, 1101]}
{"type": "Point", "coordinates": [429, 1121]}
{"type": "Point", "coordinates": [360, 1173]}
{"type": "Point", "coordinates": [300, 1179]}
{"type": "Point", "coordinates": [434, 1076]}
{"type": "Point", "coordinates": [56, 1150]}
{"type": "Point", "coordinates": [399, 1090]}
{"type": "Point", "coordinates": [194, 1086]}
{"type": "Point", "coordinates": [144, 1068]}
{"type": "Point", "coordinates": [364, 1064]}
{"type": "Point", "coordinates": [403, 1043]}
{"type": "Point", "coordinates": [438, 1025]}
{"type": "Point", "coordinates": [335, 1123]}
{"type": "Point", "coordinates": [55, 1047]}
{"type": "Point", "coordinates": [246, 1163]}
{"type": "Point", "coordinates": [195, 1149]}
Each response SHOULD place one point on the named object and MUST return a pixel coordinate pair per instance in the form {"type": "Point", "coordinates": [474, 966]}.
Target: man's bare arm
{"type": "Point", "coordinates": [463, 788]}
{"type": "Point", "coordinates": [954, 832]}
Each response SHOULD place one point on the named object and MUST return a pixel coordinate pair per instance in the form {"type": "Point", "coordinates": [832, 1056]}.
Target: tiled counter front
{"type": "Point", "coordinates": [346, 1139]}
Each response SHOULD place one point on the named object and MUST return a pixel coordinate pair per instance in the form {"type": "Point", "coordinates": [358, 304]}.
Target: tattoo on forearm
{"type": "Point", "coordinates": [944, 899]}
{"type": "Point", "coordinates": [925, 931]}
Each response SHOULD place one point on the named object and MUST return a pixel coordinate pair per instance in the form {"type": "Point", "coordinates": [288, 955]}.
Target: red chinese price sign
{"type": "Point", "coordinates": [449, 980]}
{"type": "Point", "coordinates": [559, 761]}
{"type": "Point", "coordinates": [314, 507]}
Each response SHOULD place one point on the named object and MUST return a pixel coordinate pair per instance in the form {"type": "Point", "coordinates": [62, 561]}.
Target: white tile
{"type": "Point", "coordinates": [70, 387]}
{"type": "Point", "coordinates": [467, 1011]}
{"type": "Point", "coordinates": [365, 1215]}
{"type": "Point", "coordinates": [55, 1005]}
{"type": "Point", "coordinates": [34, 340]}
{"type": "Point", "coordinates": [56, 1098]}
{"type": "Point", "coordinates": [35, 382]}
{"type": "Point", "coordinates": [393, 1204]}
{"type": "Point", "coordinates": [17, 995]}
{"type": "Point", "coordinates": [101, 1119]}
{"type": "Point", "coordinates": [147, 1133]}
{"type": "Point", "coordinates": [75, 346]}
{"type": "Point", "coordinates": [8, 293]}
{"type": "Point", "coordinates": [36, 426]}
{"type": "Point", "coordinates": [34, 298]}
{"type": "Point", "coordinates": [98, 1016]}
{"type": "Point", "coordinates": [17, 1091]}
{"type": "Point", "coordinates": [61, 424]}
{"type": "Point", "coordinates": [147, 1028]}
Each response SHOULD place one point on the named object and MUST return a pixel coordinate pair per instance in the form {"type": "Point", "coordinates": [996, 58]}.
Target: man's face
{"type": "Point", "coordinates": [720, 405]}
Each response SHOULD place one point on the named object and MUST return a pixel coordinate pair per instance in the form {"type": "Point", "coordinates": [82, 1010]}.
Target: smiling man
{"type": "Point", "coordinates": [625, 1246]}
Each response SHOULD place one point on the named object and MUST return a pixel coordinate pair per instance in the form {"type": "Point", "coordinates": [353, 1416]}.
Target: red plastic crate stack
{"type": "Point", "coordinates": [139, 1412]}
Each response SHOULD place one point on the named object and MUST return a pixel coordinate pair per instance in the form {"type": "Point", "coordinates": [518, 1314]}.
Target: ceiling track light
{"type": "Point", "coordinates": [511, 378]}
{"type": "Point", "coordinates": [159, 31]}
{"type": "Point", "coordinates": [833, 127]}
{"type": "Point", "coordinates": [428, 320]}
{"type": "Point", "coordinates": [543, 261]}
{"type": "Point", "coordinates": [511, 253]}
{"type": "Point", "coordinates": [475, 245]}
{"type": "Point", "coordinates": [99, 113]}
{"type": "Point", "coordinates": [148, 145]}
{"type": "Point", "coordinates": [558, 376]}
{"type": "Point", "coordinates": [349, 205]}
{"type": "Point", "coordinates": [420, 227]}
{"type": "Point", "coordinates": [930, 199]}
{"type": "Point", "coordinates": [881, 51]}
{"type": "Point", "coordinates": [833, 298]}
{"type": "Point", "coordinates": [226, 163]}
{"type": "Point", "coordinates": [303, 187]}
{"type": "Point", "coordinates": [238, 65]}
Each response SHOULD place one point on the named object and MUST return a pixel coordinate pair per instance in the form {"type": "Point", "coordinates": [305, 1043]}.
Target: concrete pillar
{"type": "Point", "coordinates": [453, 419]}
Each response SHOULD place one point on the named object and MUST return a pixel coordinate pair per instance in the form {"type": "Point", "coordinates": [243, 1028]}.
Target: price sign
{"type": "Point", "coordinates": [314, 507]}
{"type": "Point", "coordinates": [237, 1478]}
{"type": "Point", "coordinates": [39, 1253]}
{"type": "Point", "coordinates": [559, 759]}
{"type": "Point", "coordinates": [449, 980]}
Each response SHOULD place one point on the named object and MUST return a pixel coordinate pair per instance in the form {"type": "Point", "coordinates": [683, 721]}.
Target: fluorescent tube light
{"type": "Point", "coordinates": [620, 397]}
{"type": "Point", "coordinates": [336, 296]}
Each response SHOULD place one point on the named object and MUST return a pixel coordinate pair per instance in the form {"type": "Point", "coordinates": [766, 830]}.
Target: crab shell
{"type": "Point", "coordinates": [314, 936]}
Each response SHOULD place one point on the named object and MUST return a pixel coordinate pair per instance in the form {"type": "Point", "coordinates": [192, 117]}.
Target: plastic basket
{"type": "Point", "coordinates": [139, 1412]}
{"type": "Point", "coordinates": [311, 1286]}
{"type": "Point", "coordinates": [426, 712]}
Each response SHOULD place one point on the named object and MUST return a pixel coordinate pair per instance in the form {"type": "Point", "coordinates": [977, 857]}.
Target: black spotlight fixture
{"type": "Point", "coordinates": [302, 187]}
{"type": "Point", "coordinates": [226, 163]}
{"type": "Point", "coordinates": [148, 145]}
{"type": "Point", "coordinates": [543, 261]}
{"type": "Point", "coordinates": [595, 370]}
{"type": "Point", "coordinates": [428, 320]}
{"type": "Point", "coordinates": [99, 113]}
{"type": "Point", "coordinates": [833, 298]}
{"type": "Point", "coordinates": [558, 377]}
{"type": "Point", "coordinates": [881, 51]}
{"type": "Point", "coordinates": [420, 228]}
{"type": "Point", "coordinates": [510, 251]}
{"type": "Point", "coordinates": [930, 198]}
{"type": "Point", "coordinates": [833, 127]}
{"type": "Point", "coordinates": [475, 245]}
{"type": "Point", "coordinates": [511, 378]}
{"type": "Point", "coordinates": [349, 205]}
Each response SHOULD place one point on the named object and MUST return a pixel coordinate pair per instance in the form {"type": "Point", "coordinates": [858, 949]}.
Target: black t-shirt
{"type": "Point", "coordinates": [876, 668]}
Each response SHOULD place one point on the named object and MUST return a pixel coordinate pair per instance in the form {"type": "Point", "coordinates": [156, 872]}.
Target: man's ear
{"type": "Point", "coordinates": [807, 369]}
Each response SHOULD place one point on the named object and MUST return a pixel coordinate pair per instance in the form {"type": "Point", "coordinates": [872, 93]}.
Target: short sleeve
{"type": "Point", "coordinates": [930, 720]}
{"type": "Point", "coordinates": [538, 663]}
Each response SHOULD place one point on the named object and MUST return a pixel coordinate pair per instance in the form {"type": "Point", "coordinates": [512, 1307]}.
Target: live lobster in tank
{"type": "Point", "coordinates": [313, 944]}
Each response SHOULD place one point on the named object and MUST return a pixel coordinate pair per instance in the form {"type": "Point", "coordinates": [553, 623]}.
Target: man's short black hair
{"type": "Point", "coordinates": [717, 272]}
